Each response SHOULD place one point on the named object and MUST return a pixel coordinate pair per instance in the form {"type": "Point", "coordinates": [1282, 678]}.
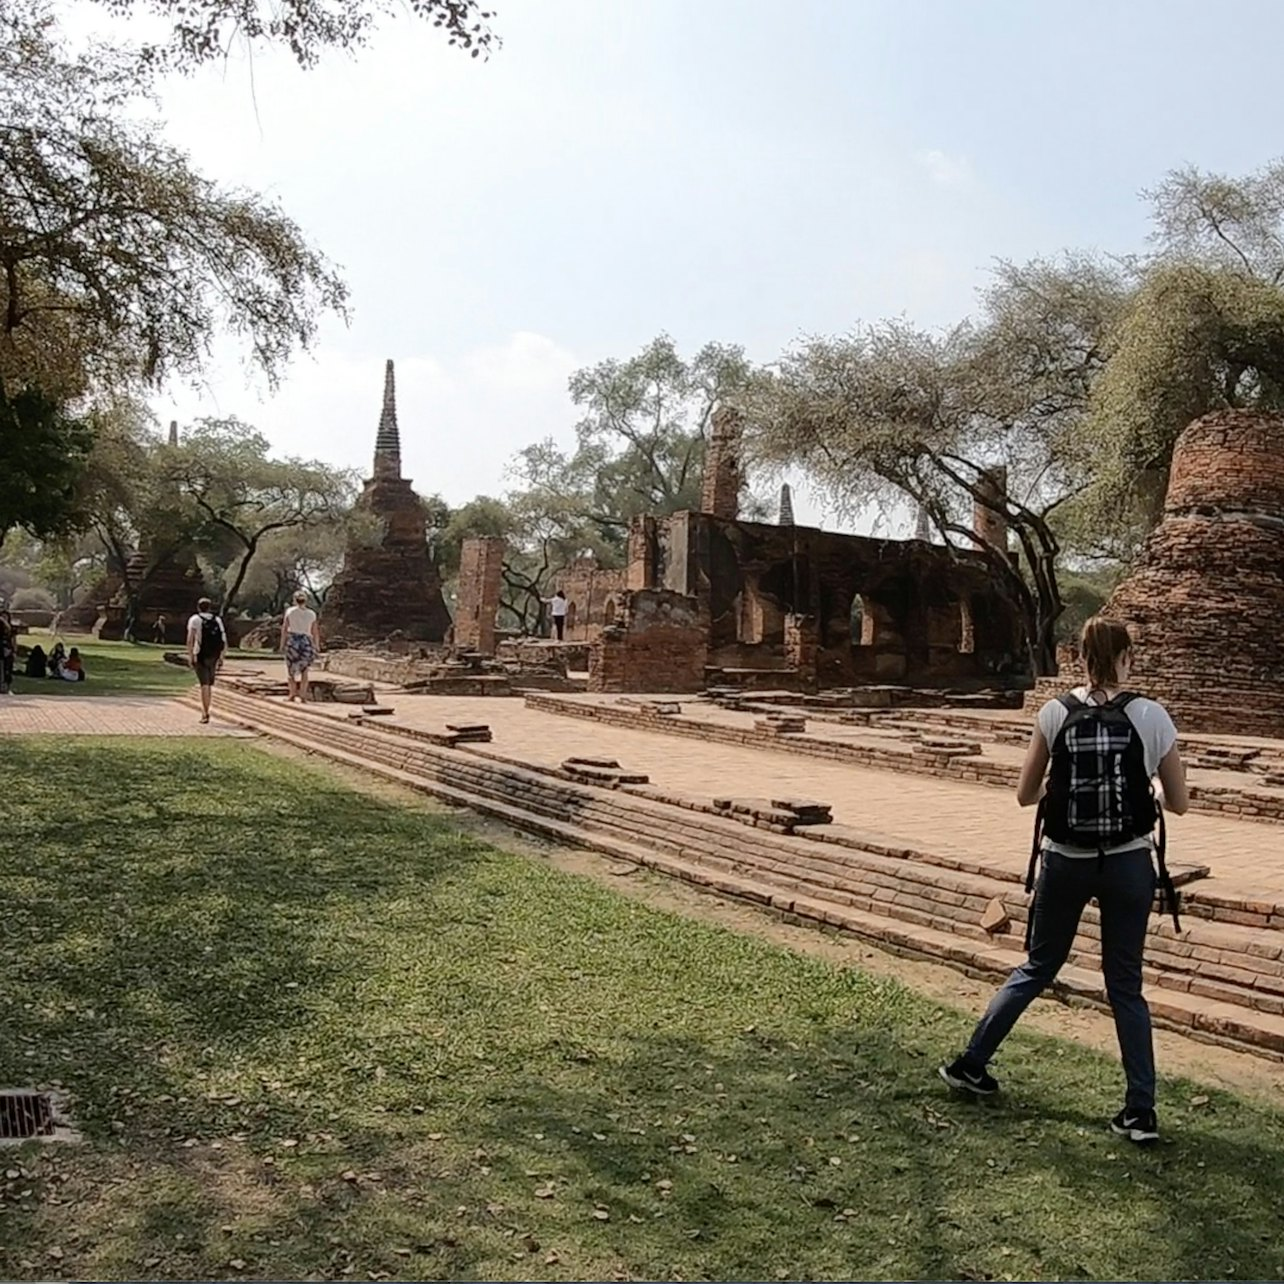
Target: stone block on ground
{"type": "Point", "coordinates": [995, 919]}
{"type": "Point", "coordinates": [605, 772]}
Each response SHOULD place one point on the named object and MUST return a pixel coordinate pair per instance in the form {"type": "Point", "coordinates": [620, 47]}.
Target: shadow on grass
{"type": "Point", "coordinates": [324, 1036]}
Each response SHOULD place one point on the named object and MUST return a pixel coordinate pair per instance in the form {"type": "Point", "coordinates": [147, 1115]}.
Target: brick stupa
{"type": "Point", "coordinates": [388, 583]}
{"type": "Point", "coordinates": [1205, 600]}
{"type": "Point", "coordinates": [171, 585]}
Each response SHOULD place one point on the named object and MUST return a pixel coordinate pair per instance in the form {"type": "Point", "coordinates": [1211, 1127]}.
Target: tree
{"type": "Point", "coordinates": [641, 439]}
{"type": "Point", "coordinates": [238, 495]}
{"type": "Point", "coordinates": [119, 262]}
{"type": "Point", "coordinates": [1203, 330]}
{"type": "Point", "coordinates": [1195, 339]}
{"type": "Point", "coordinates": [300, 558]}
{"type": "Point", "coordinates": [204, 30]}
{"type": "Point", "coordinates": [43, 451]}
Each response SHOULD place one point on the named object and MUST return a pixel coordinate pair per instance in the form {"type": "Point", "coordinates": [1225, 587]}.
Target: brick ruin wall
{"type": "Point", "coordinates": [884, 611]}
{"type": "Point", "coordinates": [1205, 601]}
{"type": "Point", "coordinates": [658, 645]}
{"type": "Point", "coordinates": [593, 596]}
{"type": "Point", "coordinates": [481, 566]}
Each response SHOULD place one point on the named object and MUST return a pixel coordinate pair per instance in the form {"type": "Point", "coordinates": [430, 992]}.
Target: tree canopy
{"type": "Point", "coordinates": [42, 452]}
{"type": "Point", "coordinates": [202, 31]}
{"type": "Point", "coordinates": [237, 495]}
{"type": "Point", "coordinates": [120, 261]}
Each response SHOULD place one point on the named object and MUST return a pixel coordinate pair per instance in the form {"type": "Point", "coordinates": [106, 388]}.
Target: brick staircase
{"type": "Point", "coordinates": [1221, 980]}
{"type": "Point", "coordinates": [1241, 801]}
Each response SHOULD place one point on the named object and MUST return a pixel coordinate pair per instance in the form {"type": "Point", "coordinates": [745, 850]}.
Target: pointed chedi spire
{"type": "Point", "coordinates": [786, 517]}
{"type": "Point", "coordinates": [173, 432]}
{"type": "Point", "coordinates": [387, 460]}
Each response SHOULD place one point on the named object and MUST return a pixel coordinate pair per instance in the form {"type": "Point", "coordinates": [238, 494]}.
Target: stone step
{"type": "Point", "coordinates": [1213, 963]}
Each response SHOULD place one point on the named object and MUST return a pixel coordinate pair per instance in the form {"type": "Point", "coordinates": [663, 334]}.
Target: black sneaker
{"type": "Point", "coordinates": [966, 1077]}
{"type": "Point", "coordinates": [1140, 1126]}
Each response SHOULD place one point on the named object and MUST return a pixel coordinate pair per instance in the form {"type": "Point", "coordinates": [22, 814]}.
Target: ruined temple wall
{"type": "Point", "coordinates": [593, 596]}
{"type": "Point", "coordinates": [929, 614]}
{"type": "Point", "coordinates": [658, 645]}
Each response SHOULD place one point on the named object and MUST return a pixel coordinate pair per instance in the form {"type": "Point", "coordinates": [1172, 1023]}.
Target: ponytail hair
{"type": "Point", "coordinates": [1101, 644]}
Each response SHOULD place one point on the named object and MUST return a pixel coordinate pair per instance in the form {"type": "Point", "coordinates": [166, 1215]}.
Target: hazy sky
{"type": "Point", "coordinates": [739, 170]}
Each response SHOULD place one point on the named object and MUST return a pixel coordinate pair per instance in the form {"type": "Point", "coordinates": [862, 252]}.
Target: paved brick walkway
{"type": "Point", "coordinates": [35, 715]}
{"type": "Point", "coordinates": [973, 821]}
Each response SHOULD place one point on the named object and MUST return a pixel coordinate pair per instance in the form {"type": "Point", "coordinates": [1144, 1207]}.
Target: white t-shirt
{"type": "Point", "coordinates": [300, 619]}
{"type": "Point", "coordinates": [1155, 729]}
{"type": "Point", "coordinates": [559, 605]}
{"type": "Point", "coordinates": [194, 629]}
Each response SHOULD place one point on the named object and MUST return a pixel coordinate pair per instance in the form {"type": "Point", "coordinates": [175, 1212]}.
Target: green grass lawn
{"type": "Point", "coordinates": [311, 1033]}
{"type": "Point", "coordinates": [115, 668]}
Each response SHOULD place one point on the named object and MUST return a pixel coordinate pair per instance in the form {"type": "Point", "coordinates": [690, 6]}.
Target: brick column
{"type": "Point", "coordinates": [720, 494]}
{"type": "Point", "coordinates": [480, 580]}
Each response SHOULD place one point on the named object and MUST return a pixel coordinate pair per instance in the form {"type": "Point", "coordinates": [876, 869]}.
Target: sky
{"type": "Point", "coordinates": [743, 171]}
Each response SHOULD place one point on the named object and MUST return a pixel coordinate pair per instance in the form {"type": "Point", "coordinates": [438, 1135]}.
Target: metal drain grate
{"type": "Point", "coordinates": [25, 1113]}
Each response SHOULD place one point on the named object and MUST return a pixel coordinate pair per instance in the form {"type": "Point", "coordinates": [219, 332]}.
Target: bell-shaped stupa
{"type": "Point", "coordinates": [1205, 599]}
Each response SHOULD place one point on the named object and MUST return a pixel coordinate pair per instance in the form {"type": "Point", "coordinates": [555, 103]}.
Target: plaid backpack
{"type": "Point", "coordinates": [1099, 793]}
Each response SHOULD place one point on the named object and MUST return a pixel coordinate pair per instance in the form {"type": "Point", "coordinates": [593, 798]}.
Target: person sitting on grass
{"type": "Point", "coordinates": [57, 658]}
{"type": "Point", "coordinates": [73, 670]}
{"type": "Point", "coordinates": [37, 662]}
{"type": "Point", "coordinates": [1100, 747]}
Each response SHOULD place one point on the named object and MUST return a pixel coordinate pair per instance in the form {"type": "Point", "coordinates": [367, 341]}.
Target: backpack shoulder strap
{"type": "Point", "coordinates": [1124, 699]}
{"type": "Point", "coordinates": [1070, 702]}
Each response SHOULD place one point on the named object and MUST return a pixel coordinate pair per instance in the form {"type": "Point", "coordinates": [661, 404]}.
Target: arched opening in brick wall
{"type": "Point", "coordinates": [608, 615]}
{"type": "Point", "coordinates": [571, 612]}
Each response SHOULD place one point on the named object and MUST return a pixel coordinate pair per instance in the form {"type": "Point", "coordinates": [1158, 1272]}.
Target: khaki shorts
{"type": "Point", "coordinates": [206, 671]}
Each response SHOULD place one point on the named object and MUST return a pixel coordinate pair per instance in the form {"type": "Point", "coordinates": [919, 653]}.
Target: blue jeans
{"type": "Point", "coordinates": [1124, 886]}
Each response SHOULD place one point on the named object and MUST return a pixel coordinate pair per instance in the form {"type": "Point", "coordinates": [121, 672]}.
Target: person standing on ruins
{"type": "Point", "coordinates": [559, 607]}
{"type": "Point", "coordinates": [301, 644]}
{"type": "Point", "coordinates": [206, 642]}
{"type": "Point", "coordinates": [1093, 838]}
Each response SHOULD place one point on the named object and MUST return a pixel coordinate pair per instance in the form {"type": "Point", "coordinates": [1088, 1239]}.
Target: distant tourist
{"type": "Point", "coordinates": [206, 642]}
{"type": "Point", "coordinates": [57, 658]}
{"type": "Point", "coordinates": [301, 643]}
{"type": "Point", "coordinates": [158, 630]}
{"type": "Point", "coordinates": [37, 662]}
{"type": "Point", "coordinates": [1097, 813]}
{"type": "Point", "coordinates": [559, 607]}
{"type": "Point", "coordinates": [73, 670]}
{"type": "Point", "coordinates": [8, 651]}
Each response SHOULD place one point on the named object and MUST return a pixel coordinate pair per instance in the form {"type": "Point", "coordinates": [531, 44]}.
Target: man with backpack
{"type": "Point", "coordinates": [1100, 747]}
{"type": "Point", "coordinates": [206, 642]}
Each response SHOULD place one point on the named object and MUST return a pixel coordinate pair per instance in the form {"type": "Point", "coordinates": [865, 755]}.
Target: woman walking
{"type": "Point", "coordinates": [1100, 748]}
{"type": "Point", "coordinates": [301, 643]}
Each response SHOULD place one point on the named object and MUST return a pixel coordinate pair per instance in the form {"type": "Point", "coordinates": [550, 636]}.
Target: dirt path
{"type": "Point", "coordinates": [1177, 1055]}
